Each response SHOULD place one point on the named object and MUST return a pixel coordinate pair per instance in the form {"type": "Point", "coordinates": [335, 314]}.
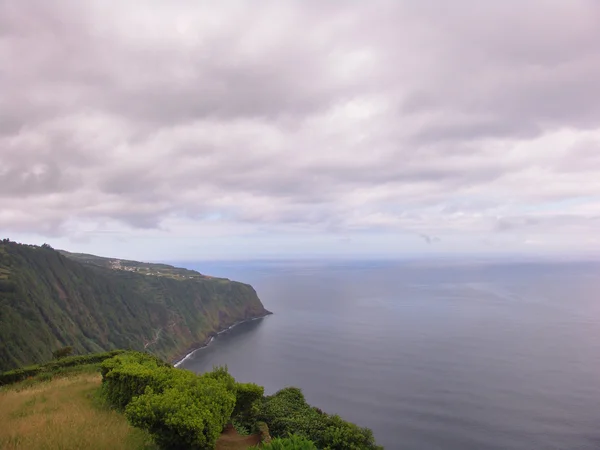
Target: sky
{"type": "Point", "coordinates": [191, 130]}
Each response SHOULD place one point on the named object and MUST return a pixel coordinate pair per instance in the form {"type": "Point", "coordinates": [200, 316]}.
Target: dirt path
{"type": "Point", "coordinates": [231, 440]}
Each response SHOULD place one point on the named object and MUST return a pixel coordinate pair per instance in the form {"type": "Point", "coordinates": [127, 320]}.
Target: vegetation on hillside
{"type": "Point", "coordinates": [294, 442]}
{"type": "Point", "coordinates": [53, 368]}
{"type": "Point", "coordinates": [180, 409]}
{"type": "Point", "coordinates": [161, 270]}
{"type": "Point", "coordinates": [60, 407]}
{"type": "Point", "coordinates": [171, 409]}
{"type": "Point", "coordinates": [49, 301]}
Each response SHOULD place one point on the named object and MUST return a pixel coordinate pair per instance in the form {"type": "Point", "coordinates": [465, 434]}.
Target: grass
{"type": "Point", "coordinates": [64, 410]}
{"type": "Point", "coordinates": [64, 413]}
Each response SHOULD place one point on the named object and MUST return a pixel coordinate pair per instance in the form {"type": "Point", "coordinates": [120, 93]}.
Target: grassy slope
{"type": "Point", "coordinates": [64, 413]}
{"type": "Point", "coordinates": [67, 412]}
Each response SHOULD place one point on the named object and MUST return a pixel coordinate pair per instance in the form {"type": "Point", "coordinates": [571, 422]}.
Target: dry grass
{"type": "Point", "coordinates": [64, 414]}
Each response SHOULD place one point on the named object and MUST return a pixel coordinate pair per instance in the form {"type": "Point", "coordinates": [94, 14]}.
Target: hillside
{"type": "Point", "coordinates": [133, 400]}
{"type": "Point", "coordinates": [50, 299]}
{"type": "Point", "coordinates": [162, 270]}
{"type": "Point", "coordinates": [68, 412]}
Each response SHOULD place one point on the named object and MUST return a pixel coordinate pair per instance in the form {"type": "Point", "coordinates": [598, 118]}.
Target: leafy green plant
{"type": "Point", "coordinates": [247, 398]}
{"type": "Point", "coordinates": [287, 412]}
{"type": "Point", "coordinates": [184, 417]}
{"type": "Point", "coordinates": [14, 376]}
{"type": "Point", "coordinates": [127, 376]}
{"type": "Point", "coordinates": [240, 428]}
{"type": "Point", "coordinates": [221, 374]}
{"type": "Point", "coordinates": [294, 442]}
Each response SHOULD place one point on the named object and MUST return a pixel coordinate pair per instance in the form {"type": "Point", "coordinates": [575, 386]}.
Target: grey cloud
{"type": "Point", "coordinates": [429, 239]}
{"type": "Point", "coordinates": [397, 115]}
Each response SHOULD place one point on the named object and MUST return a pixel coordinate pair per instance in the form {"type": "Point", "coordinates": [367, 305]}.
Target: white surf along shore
{"type": "Point", "coordinates": [212, 338]}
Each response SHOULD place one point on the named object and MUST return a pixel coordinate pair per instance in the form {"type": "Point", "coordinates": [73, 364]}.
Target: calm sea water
{"type": "Point", "coordinates": [446, 356]}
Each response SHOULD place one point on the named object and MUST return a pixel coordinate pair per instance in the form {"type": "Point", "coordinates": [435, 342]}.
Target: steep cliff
{"type": "Point", "coordinates": [50, 299]}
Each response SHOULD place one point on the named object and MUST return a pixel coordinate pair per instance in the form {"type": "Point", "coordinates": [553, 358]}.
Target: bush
{"type": "Point", "coordinates": [189, 416]}
{"type": "Point", "coordinates": [287, 412]}
{"type": "Point", "coordinates": [293, 442]}
{"type": "Point", "coordinates": [14, 376]}
{"type": "Point", "coordinates": [285, 405]}
{"type": "Point", "coordinates": [247, 397]}
{"type": "Point", "coordinates": [221, 374]}
{"type": "Point", "coordinates": [263, 431]}
{"type": "Point", "coordinates": [340, 434]}
{"type": "Point", "coordinates": [241, 429]}
{"type": "Point", "coordinates": [179, 409]}
{"type": "Point", "coordinates": [62, 352]}
{"type": "Point", "coordinates": [121, 357]}
{"type": "Point", "coordinates": [127, 376]}
{"type": "Point", "coordinates": [81, 360]}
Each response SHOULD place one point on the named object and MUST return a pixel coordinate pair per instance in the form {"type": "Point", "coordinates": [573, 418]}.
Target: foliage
{"type": "Point", "coordinates": [177, 407]}
{"type": "Point", "coordinates": [48, 301]}
{"type": "Point", "coordinates": [183, 417]}
{"type": "Point", "coordinates": [14, 376]}
{"type": "Point", "coordinates": [221, 373]}
{"type": "Point", "coordinates": [182, 410]}
{"type": "Point", "coordinates": [247, 398]}
{"type": "Point", "coordinates": [127, 376]}
{"type": "Point", "coordinates": [277, 409]}
{"type": "Point", "coordinates": [287, 412]}
{"type": "Point", "coordinates": [241, 429]}
{"type": "Point", "coordinates": [263, 431]}
{"type": "Point", "coordinates": [294, 442]}
{"type": "Point", "coordinates": [62, 352]}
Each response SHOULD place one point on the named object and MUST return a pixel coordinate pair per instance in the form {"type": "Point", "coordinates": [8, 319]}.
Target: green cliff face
{"type": "Point", "coordinates": [50, 299]}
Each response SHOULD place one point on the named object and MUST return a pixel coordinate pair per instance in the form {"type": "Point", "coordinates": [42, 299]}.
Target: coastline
{"type": "Point", "coordinates": [212, 337]}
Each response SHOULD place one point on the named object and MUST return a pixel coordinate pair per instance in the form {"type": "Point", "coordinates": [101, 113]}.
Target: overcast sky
{"type": "Point", "coordinates": [173, 130]}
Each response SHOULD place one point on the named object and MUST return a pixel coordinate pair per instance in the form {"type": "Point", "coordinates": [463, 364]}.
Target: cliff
{"type": "Point", "coordinates": [50, 299]}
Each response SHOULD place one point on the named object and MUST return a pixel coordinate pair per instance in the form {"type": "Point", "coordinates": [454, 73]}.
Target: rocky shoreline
{"type": "Point", "coordinates": [212, 336]}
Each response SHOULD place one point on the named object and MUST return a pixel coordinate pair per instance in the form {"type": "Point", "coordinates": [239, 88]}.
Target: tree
{"type": "Point", "coordinates": [62, 352]}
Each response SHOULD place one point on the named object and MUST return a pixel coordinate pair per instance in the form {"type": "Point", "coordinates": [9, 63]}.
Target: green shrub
{"type": "Point", "coordinates": [241, 429]}
{"type": "Point", "coordinates": [340, 434]}
{"type": "Point", "coordinates": [279, 409]}
{"type": "Point", "coordinates": [127, 376]}
{"type": "Point", "coordinates": [53, 367]}
{"type": "Point", "coordinates": [62, 352]}
{"type": "Point", "coordinates": [287, 412]}
{"type": "Point", "coordinates": [188, 416]}
{"type": "Point", "coordinates": [81, 360]}
{"type": "Point", "coordinates": [247, 397]}
{"type": "Point", "coordinates": [263, 431]}
{"type": "Point", "coordinates": [14, 376]}
{"type": "Point", "coordinates": [44, 376]}
{"type": "Point", "coordinates": [221, 374]}
{"type": "Point", "coordinates": [294, 442]}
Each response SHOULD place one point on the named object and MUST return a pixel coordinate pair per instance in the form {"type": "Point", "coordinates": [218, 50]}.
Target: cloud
{"type": "Point", "coordinates": [385, 117]}
{"type": "Point", "coordinates": [429, 239]}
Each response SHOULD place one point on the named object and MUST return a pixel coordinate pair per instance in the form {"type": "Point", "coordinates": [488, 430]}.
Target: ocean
{"type": "Point", "coordinates": [429, 355]}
